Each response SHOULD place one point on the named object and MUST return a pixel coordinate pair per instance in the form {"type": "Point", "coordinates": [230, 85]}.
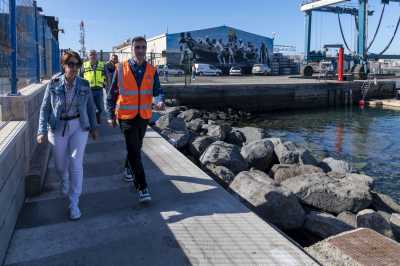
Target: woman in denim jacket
{"type": "Point", "coordinates": [69, 112]}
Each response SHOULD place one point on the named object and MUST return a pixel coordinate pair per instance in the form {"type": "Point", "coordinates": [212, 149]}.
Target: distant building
{"type": "Point", "coordinates": [219, 46]}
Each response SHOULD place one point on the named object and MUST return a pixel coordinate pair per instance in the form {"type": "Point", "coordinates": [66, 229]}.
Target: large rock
{"type": "Point", "coordinates": [306, 157]}
{"type": "Point", "coordinates": [196, 124]}
{"type": "Point", "coordinates": [359, 247]}
{"type": "Point", "coordinates": [330, 164]}
{"type": "Point", "coordinates": [224, 154]}
{"type": "Point", "coordinates": [179, 139]}
{"type": "Point", "coordinates": [371, 219]}
{"type": "Point", "coordinates": [253, 133]}
{"type": "Point", "coordinates": [330, 194]}
{"type": "Point", "coordinates": [348, 218]}
{"type": "Point", "coordinates": [360, 178]}
{"type": "Point", "coordinates": [259, 154]}
{"type": "Point", "coordinates": [382, 202]}
{"type": "Point", "coordinates": [190, 114]}
{"type": "Point", "coordinates": [173, 111]}
{"type": "Point", "coordinates": [273, 203]}
{"type": "Point", "coordinates": [200, 144]}
{"type": "Point", "coordinates": [235, 137]}
{"type": "Point", "coordinates": [287, 152]}
{"type": "Point", "coordinates": [395, 224]}
{"type": "Point", "coordinates": [221, 172]}
{"type": "Point", "coordinates": [281, 172]}
{"type": "Point", "coordinates": [170, 122]}
{"type": "Point", "coordinates": [324, 224]}
{"type": "Point", "coordinates": [218, 131]}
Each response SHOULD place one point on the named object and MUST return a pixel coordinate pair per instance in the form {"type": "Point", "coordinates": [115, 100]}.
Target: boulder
{"type": "Point", "coordinates": [273, 203]}
{"type": "Point", "coordinates": [200, 144]}
{"type": "Point", "coordinates": [306, 157]}
{"type": "Point", "coordinates": [221, 172]}
{"type": "Point", "coordinates": [281, 172]}
{"type": "Point", "coordinates": [324, 224]}
{"type": "Point", "coordinates": [235, 137]}
{"type": "Point", "coordinates": [331, 164]}
{"type": "Point", "coordinates": [222, 116]}
{"type": "Point", "coordinates": [212, 116]}
{"type": "Point", "coordinates": [179, 139]}
{"type": "Point", "coordinates": [259, 154]}
{"type": "Point", "coordinates": [190, 114]}
{"type": "Point", "coordinates": [173, 111]}
{"type": "Point", "coordinates": [395, 224]}
{"type": "Point", "coordinates": [357, 247]}
{"type": "Point", "coordinates": [218, 131]}
{"type": "Point", "coordinates": [385, 215]}
{"type": "Point", "coordinates": [371, 219]}
{"type": "Point", "coordinates": [329, 194]}
{"type": "Point", "coordinates": [348, 218]}
{"type": "Point", "coordinates": [287, 152]}
{"type": "Point", "coordinates": [170, 122]}
{"type": "Point", "coordinates": [382, 202]}
{"type": "Point", "coordinates": [196, 124]}
{"type": "Point", "coordinates": [253, 133]}
{"type": "Point", "coordinates": [356, 178]}
{"type": "Point", "coordinates": [224, 154]}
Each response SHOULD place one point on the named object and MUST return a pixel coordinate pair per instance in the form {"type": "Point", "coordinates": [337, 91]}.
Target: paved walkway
{"type": "Point", "coordinates": [191, 220]}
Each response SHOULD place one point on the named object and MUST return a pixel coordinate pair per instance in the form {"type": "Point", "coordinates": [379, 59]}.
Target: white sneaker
{"type": "Point", "coordinates": [128, 176]}
{"type": "Point", "coordinates": [74, 213]}
{"type": "Point", "coordinates": [64, 188]}
{"type": "Point", "coordinates": [144, 195]}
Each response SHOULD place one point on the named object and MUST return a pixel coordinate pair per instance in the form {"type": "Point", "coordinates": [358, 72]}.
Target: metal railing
{"type": "Point", "coordinates": [29, 47]}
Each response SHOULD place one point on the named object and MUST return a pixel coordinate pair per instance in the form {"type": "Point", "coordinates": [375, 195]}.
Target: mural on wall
{"type": "Point", "coordinates": [219, 46]}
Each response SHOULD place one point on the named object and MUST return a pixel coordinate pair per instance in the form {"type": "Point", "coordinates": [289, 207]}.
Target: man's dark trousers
{"type": "Point", "coordinates": [134, 131]}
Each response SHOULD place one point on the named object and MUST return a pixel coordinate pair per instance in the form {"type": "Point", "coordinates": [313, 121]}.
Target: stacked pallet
{"type": "Point", "coordinates": [283, 65]}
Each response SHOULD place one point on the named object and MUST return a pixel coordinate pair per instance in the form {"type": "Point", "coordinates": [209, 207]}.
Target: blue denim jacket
{"type": "Point", "coordinates": [54, 100]}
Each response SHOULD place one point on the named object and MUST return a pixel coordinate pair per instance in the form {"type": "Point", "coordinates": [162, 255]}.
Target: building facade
{"type": "Point", "coordinates": [221, 46]}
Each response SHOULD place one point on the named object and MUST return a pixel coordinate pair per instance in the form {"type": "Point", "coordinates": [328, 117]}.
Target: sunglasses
{"type": "Point", "coordinates": [141, 47]}
{"type": "Point", "coordinates": [72, 65]}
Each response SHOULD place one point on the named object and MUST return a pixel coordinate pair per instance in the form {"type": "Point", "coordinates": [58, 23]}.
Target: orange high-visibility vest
{"type": "Point", "coordinates": [133, 100]}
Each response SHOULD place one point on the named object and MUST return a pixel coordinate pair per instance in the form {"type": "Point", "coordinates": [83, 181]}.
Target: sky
{"type": "Point", "coordinates": [109, 23]}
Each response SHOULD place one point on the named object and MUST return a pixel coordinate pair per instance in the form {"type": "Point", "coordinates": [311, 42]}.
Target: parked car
{"type": "Point", "coordinates": [235, 71]}
{"type": "Point", "coordinates": [207, 70]}
{"type": "Point", "coordinates": [172, 71]}
{"type": "Point", "coordinates": [261, 69]}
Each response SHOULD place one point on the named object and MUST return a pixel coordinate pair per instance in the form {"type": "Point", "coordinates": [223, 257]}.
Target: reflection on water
{"type": "Point", "coordinates": [368, 139]}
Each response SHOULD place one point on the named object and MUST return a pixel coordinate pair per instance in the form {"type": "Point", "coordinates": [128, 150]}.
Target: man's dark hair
{"type": "Point", "coordinates": [138, 39]}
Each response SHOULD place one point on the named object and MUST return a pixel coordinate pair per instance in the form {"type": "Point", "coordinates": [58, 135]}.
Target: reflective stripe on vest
{"type": "Point", "coordinates": [95, 78]}
{"type": "Point", "coordinates": [133, 100]}
{"type": "Point", "coordinates": [134, 107]}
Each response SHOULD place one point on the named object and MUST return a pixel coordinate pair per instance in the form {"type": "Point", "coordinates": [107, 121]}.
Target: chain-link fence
{"type": "Point", "coordinates": [37, 48]}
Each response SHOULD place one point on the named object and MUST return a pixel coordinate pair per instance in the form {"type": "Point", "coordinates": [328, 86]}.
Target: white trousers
{"type": "Point", "coordinates": [68, 151]}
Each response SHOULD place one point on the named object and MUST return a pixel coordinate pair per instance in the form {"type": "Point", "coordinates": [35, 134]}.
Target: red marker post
{"type": "Point", "coordinates": [340, 64]}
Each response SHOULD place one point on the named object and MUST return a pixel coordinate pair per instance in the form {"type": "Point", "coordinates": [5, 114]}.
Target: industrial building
{"type": "Point", "coordinates": [221, 46]}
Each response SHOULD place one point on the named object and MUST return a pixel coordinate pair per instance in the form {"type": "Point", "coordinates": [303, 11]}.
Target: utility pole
{"type": "Point", "coordinates": [82, 51]}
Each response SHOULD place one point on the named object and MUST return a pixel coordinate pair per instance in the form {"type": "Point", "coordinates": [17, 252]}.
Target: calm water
{"type": "Point", "coordinates": [368, 139]}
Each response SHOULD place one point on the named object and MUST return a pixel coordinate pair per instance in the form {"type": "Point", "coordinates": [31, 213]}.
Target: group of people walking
{"type": "Point", "coordinates": [72, 108]}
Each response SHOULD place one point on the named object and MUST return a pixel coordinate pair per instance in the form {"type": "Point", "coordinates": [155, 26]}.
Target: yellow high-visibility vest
{"type": "Point", "coordinates": [95, 78]}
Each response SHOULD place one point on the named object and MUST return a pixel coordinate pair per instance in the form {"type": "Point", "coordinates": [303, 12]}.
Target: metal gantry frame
{"type": "Point", "coordinates": [361, 13]}
{"type": "Point", "coordinates": [13, 43]}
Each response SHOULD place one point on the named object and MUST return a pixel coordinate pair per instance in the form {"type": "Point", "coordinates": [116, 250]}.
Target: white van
{"type": "Point", "coordinates": [207, 70]}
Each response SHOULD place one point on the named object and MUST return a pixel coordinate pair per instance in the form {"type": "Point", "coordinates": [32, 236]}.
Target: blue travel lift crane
{"type": "Point", "coordinates": [361, 56]}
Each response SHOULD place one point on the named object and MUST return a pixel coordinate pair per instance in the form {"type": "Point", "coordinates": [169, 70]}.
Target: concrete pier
{"type": "Point", "coordinates": [191, 220]}
{"type": "Point", "coordinates": [261, 94]}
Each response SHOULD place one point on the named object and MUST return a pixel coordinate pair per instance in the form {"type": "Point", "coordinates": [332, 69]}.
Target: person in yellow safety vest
{"type": "Point", "coordinates": [94, 72]}
{"type": "Point", "coordinates": [129, 104]}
